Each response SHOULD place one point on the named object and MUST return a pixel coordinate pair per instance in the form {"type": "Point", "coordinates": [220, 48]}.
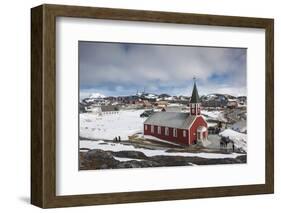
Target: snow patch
{"type": "Point", "coordinates": [239, 139]}
{"type": "Point", "coordinates": [215, 115]}
{"type": "Point", "coordinates": [125, 159]}
{"type": "Point", "coordinates": [148, 152]}
{"type": "Point", "coordinates": [211, 124]}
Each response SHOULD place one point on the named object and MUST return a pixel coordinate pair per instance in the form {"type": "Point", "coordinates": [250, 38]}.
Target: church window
{"type": "Point", "coordinates": [159, 130]}
{"type": "Point", "coordinates": [175, 132]}
{"type": "Point", "coordinates": [167, 131]}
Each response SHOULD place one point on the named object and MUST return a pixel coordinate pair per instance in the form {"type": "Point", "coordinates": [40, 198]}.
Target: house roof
{"type": "Point", "coordinates": [109, 108]}
{"type": "Point", "coordinates": [195, 97]}
{"type": "Point", "coordinates": [171, 119]}
{"type": "Point", "coordinates": [174, 109]}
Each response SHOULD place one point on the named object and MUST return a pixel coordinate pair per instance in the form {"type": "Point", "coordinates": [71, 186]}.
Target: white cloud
{"type": "Point", "coordinates": [113, 66]}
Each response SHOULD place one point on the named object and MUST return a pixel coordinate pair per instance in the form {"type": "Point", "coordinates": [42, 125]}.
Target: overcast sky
{"type": "Point", "coordinates": [123, 69]}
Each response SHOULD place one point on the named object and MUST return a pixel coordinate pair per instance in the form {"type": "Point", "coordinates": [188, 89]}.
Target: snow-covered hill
{"type": "Point", "coordinates": [240, 139]}
{"type": "Point", "coordinates": [96, 96]}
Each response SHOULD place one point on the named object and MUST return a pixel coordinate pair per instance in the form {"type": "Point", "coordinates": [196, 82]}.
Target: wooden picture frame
{"type": "Point", "coordinates": [43, 105]}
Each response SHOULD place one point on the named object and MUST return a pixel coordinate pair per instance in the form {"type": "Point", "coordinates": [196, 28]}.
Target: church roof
{"type": "Point", "coordinates": [195, 97]}
{"type": "Point", "coordinates": [171, 119]}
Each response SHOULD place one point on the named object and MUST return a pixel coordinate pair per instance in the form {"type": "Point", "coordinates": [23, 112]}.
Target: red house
{"type": "Point", "coordinates": [178, 127]}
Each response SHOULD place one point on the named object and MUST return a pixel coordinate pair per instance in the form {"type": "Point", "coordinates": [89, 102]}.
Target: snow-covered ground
{"type": "Point", "coordinates": [123, 124]}
{"type": "Point", "coordinates": [128, 122]}
{"type": "Point", "coordinates": [107, 127]}
{"type": "Point", "coordinates": [109, 146]}
{"type": "Point", "coordinates": [240, 139]}
{"type": "Point", "coordinates": [215, 115]}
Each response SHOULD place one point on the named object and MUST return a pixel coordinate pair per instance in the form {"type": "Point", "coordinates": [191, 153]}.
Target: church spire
{"type": "Point", "coordinates": [195, 108]}
{"type": "Point", "coordinates": [194, 97]}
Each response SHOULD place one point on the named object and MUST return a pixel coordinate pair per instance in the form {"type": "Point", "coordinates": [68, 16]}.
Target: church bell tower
{"type": "Point", "coordinates": [194, 104]}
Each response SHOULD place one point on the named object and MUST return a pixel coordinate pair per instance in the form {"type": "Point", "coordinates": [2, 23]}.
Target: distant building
{"type": "Point", "coordinates": [214, 100]}
{"type": "Point", "coordinates": [109, 109]}
{"type": "Point", "coordinates": [232, 103]}
{"type": "Point", "coordinates": [178, 108]}
{"type": "Point", "coordinates": [146, 103]}
{"type": "Point", "coordinates": [133, 99]}
{"type": "Point", "coordinates": [161, 104]}
{"type": "Point", "coordinates": [242, 100]}
{"type": "Point", "coordinates": [179, 127]}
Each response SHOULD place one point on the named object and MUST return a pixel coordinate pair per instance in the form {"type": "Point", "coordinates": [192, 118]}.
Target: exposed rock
{"type": "Point", "coordinates": [137, 164]}
{"type": "Point", "coordinates": [98, 153]}
{"type": "Point", "coordinates": [99, 159]}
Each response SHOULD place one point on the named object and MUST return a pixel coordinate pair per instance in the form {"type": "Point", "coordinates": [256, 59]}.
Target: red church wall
{"type": "Point", "coordinates": [179, 139]}
{"type": "Point", "coordinates": [198, 122]}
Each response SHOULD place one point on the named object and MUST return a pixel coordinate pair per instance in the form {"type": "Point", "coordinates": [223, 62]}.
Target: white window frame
{"type": "Point", "coordinates": [159, 130]}
{"type": "Point", "coordinates": [175, 132]}
{"type": "Point", "coordinates": [184, 133]}
{"type": "Point", "coordinates": [152, 128]}
{"type": "Point", "coordinates": [167, 131]}
{"type": "Point", "coordinates": [145, 127]}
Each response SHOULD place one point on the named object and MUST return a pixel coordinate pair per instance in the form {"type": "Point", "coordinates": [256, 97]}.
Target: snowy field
{"type": "Point", "coordinates": [107, 127]}
{"type": "Point", "coordinates": [123, 124]}
{"type": "Point", "coordinates": [101, 130]}
{"type": "Point", "coordinates": [115, 147]}
{"type": "Point", "coordinates": [129, 122]}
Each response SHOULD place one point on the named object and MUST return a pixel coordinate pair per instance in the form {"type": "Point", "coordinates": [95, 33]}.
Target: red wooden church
{"type": "Point", "coordinates": [179, 127]}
